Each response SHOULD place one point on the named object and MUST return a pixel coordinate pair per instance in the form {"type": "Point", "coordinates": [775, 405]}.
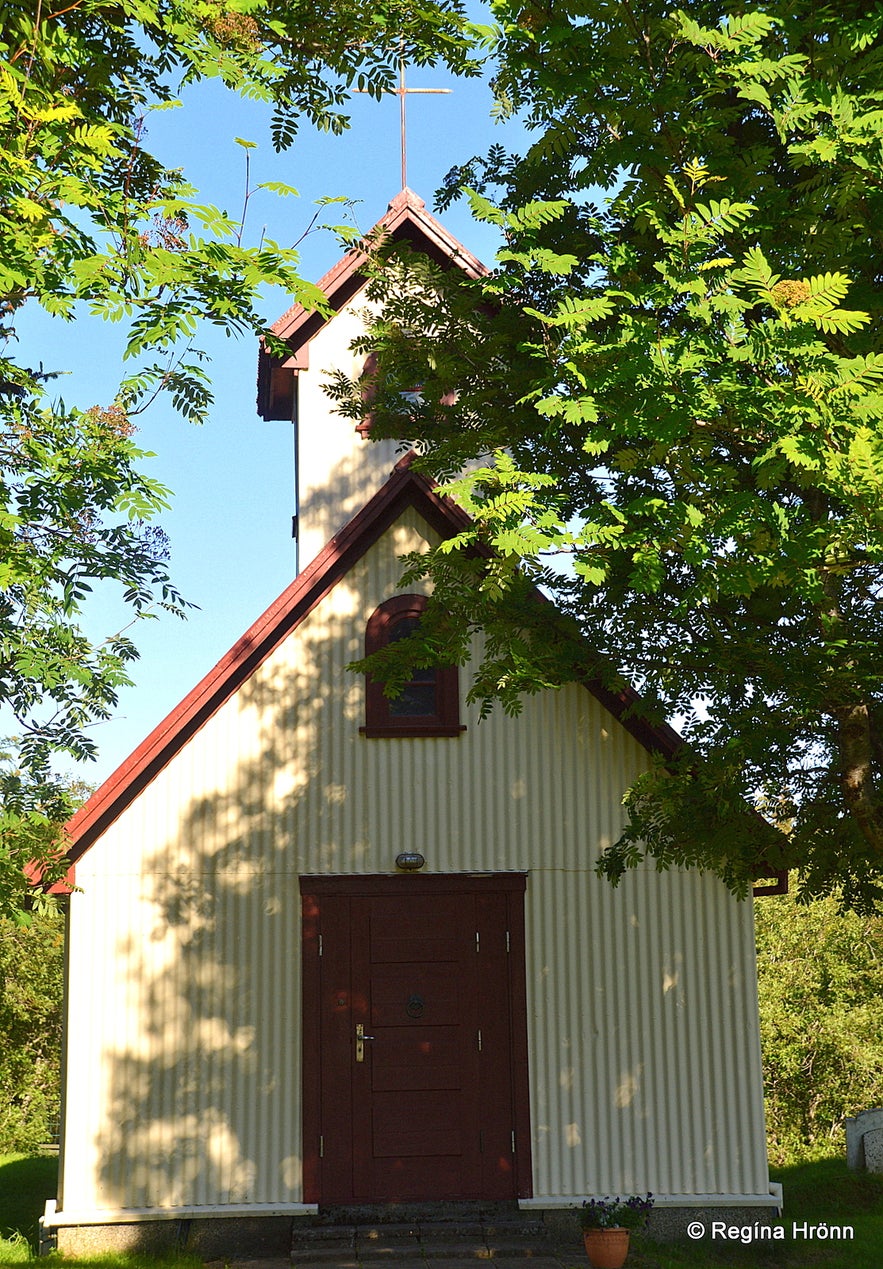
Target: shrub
{"type": "Point", "coordinates": [820, 977]}
{"type": "Point", "coordinates": [31, 967]}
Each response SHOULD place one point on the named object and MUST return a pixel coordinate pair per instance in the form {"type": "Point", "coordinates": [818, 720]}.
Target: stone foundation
{"type": "Point", "coordinates": [211, 1238]}
{"type": "Point", "coordinates": [274, 1237]}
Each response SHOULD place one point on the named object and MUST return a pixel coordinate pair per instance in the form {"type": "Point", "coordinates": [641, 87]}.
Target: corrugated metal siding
{"type": "Point", "coordinates": [184, 1078]}
{"type": "Point", "coordinates": [184, 1056]}
{"type": "Point", "coordinates": [645, 1065]}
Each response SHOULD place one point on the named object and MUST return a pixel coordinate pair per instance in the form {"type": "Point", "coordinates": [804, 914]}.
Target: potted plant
{"type": "Point", "coordinates": [607, 1224]}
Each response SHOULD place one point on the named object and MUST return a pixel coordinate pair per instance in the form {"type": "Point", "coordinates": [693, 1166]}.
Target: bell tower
{"type": "Point", "coordinates": [337, 468]}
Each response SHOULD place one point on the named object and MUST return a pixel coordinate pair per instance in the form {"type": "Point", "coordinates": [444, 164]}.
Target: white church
{"type": "Point", "coordinates": [330, 949]}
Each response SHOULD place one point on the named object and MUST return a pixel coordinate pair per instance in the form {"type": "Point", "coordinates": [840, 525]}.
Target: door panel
{"type": "Point", "coordinates": [416, 1058]}
{"type": "Point", "coordinates": [427, 970]}
{"type": "Point", "coordinates": [411, 955]}
{"type": "Point", "coordinates": [433, 995]}
{"type": "Point", "coordinates": [416, 1125]}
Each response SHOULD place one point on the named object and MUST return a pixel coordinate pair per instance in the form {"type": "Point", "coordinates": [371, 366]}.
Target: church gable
{"type": "Point", "coordinates": [337, 471]}
{"type": "Point", "coordinates": [339, 573]}
{"type": "Point", "coordinates": [406, 220]}
{"type": "Point", "coordinates": [284, 776]}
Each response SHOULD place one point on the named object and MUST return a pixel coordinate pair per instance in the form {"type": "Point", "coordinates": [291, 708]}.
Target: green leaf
{"type": "Point", "coordinates": [279, 187]}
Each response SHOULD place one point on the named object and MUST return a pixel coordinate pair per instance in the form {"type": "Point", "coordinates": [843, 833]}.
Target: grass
{"type": "Point", "coordinates": [26, 1181]}
{"type": "Point", "coordinates": [822, 1193]}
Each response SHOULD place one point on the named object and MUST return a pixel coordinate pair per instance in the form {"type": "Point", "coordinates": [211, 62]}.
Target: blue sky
{"type": "Point", "coordinates": [230, 524]}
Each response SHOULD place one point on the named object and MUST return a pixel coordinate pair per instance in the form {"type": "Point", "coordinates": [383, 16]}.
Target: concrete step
{"type": "Point", "coordinates": [427, 1232]}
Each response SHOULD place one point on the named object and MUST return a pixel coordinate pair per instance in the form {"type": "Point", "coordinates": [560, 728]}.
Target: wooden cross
{"type": "Point", "coordinates": [402, 92]}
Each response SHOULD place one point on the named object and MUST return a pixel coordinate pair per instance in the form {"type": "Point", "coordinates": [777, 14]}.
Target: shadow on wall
{"type": "Point", "coordinates": [202, 1095]}
{"type": "Point", "coordinates": [330, 500]}
{"type": "Point", "coordinates": [200, 1103]}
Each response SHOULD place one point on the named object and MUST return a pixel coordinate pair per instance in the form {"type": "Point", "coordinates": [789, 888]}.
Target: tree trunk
{"type": "Point", "coordinates": [856, 747]}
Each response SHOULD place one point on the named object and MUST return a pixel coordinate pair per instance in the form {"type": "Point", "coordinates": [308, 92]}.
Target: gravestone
{"type": "Point", "coordinates": [864, 1140]}
{"type": "Point", "coordinates": [873, 1144]}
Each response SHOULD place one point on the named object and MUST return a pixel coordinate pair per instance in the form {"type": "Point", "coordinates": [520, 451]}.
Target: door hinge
{"type": "Point", "coordinates": [320, 944]}
{"type": "Point", "coordinates": [321, 1147]}
{"type": "Point", "coordinates": [479, 1039]}
{"type": "Point", "coordinates": [508, 948]}
{"type": "Point", "coordinates": [477, 941]}
{"type": "Point", "coordinates": [513, 1140]}
{"type": "Point", "coordinates": [480, 1141]}
{"type": "Point", "coordinates": [294, 527]}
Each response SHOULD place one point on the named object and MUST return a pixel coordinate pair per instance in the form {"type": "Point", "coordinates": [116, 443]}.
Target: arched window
{"type": "Point", "coordinates": [411, 396]}
{"type": "Point", "coordinates": [429, 703]}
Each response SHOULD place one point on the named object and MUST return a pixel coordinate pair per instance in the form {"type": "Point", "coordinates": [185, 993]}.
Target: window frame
{"type": "Point", "coordinates": [371, 362]}
{"type": "Point", "coordinates": [379, 721]}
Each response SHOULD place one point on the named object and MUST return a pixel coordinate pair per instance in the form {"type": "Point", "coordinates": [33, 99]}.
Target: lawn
{"type": "Point", "coordinates": [26, 1181]}
{"type": "Point", "coordinates": [826, 1194]}
{"type": "Point", "coordinates": [816, 1194]}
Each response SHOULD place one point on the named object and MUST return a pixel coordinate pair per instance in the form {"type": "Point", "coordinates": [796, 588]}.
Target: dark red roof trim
{"type": "Point", "coordinates": [656, 737]}
{"type": "Point", "coordinates": [779, 886]}
{"type": "Point", "coordinates": [64, 886]}
{"type": "Point", "coordinates": [405, 488]}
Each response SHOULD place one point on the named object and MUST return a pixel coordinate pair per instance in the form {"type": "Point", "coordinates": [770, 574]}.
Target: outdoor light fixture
{"type": "Point", "coordinates": [410, 861]}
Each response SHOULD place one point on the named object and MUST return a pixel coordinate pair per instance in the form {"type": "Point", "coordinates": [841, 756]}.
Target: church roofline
{"type": "Point", "coordinates": [403, 489]}
{"type": "Point", "coordinates": [406, 220]}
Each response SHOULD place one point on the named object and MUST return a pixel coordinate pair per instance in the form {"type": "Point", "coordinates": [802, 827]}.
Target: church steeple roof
{"type": "Point", "coordinates": [406, 220]}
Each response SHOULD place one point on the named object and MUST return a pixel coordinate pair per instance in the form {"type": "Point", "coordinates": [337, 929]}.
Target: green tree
{"type": "Point", "coordinates": [92, 223]}
{"type": "Point", "coordinates": [820, 981]}
{"type": "Point", "coordinates": [673, 390]}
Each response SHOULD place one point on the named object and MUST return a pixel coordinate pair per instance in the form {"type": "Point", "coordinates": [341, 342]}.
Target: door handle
{"type": "Point", "coordinates": [360, 1041]}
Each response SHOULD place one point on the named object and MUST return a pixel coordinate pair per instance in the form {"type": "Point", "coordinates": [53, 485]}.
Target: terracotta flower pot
{"type": "Point", "coordinates": [606, 1248]}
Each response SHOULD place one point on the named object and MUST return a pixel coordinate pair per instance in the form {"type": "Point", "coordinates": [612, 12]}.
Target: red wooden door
{"type": "Point", "coordinates": [431, 1104]}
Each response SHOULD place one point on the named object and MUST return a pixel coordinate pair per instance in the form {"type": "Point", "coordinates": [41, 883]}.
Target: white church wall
{"type": "Point", "coordinates": [338, 469]}
{"type": "Point", "coordinates": [184, 1041]}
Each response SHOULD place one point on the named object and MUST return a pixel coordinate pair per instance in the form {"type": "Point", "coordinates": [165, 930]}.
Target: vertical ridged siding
{"type": "Point", "coordinates": [645, 1066]}
{"type": "Point", "coordinates": [192, 1097]}
{"type": "Point", "coordinates": [184, 1077]}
